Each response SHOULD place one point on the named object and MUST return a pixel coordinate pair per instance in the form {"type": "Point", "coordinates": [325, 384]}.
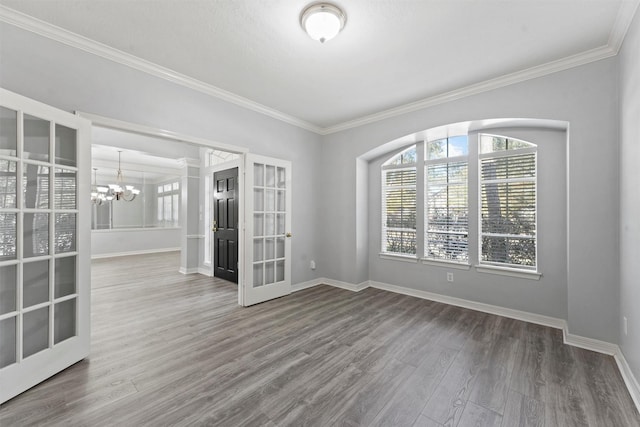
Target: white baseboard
{"type": "Point", "coordinates": [569, 339]}
{"type": "Point", "coordinates": [590, 343]}
{"type": "Point", "coordinates": [141, 252]}
{"type": "Point", "coordinates": [192, 270]}
{"type": "Point", "coordinates": [205, 271]}
{"type": "Point", "coordinates": [473, 305]}
{"type": "Point", "coordinates": [306, 285]}
{"type": "Point", "coordinates": [628, 377]}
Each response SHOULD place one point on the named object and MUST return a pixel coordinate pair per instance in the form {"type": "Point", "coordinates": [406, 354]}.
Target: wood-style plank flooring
{"type": "Point", "coordinates": [169, 349]}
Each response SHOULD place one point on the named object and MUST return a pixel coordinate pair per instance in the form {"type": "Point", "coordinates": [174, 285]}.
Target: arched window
{"type": "Point", "coordinates": [399, 203]}
{"type": "Point", "coordinates": [508, 197]}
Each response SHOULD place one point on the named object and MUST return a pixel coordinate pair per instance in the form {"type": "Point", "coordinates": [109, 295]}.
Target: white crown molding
{"type": "Point", "coordinates": [623, 20]}
{"type": "Point", "coordinates": [620, 27]}
{"type": "Point", "coordinates": [478, 88]}
{"type": "Point", "coordinates": [61, 35]}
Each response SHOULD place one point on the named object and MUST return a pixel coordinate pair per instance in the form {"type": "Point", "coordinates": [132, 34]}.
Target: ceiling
{"type": "Point", "coordinates": [391, 54]}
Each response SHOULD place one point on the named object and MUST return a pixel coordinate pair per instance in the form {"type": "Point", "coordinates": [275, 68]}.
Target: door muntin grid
{"type": "Point", "coordinates": [38, 235]}
{"type": "Point", "coordinates": [269, 222]}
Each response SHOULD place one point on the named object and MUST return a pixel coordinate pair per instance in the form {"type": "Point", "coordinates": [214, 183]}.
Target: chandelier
{"type": "Point", "coordinates": [99, 193]}
{"type": "Point", "coordinates": [119, 190]}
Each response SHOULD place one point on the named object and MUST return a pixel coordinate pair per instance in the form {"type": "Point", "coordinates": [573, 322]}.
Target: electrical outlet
{"type": "Point", "coordinates": [624, 325]}
{"type": "Point", "coordinates": [312, 265]}
{"type": "Point", "coordinates": [449, 277]}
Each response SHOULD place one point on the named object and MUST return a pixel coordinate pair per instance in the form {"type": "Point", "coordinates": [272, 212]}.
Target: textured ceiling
{"type": "Point", "coordinates": [391, 52]}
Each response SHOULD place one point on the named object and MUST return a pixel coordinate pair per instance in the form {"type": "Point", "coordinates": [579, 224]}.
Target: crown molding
{"type": "Point", "coordinates": [616, 37]}
{"type": "Point", "coordinates": [477, 88]}
{"type": "Point", "coordinates": [77, 41]}
{"type": "Point", "coordinates": [620, 27]}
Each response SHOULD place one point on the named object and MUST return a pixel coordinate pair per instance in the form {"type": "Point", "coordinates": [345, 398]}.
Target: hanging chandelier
{"type": "Point", "coordinates": [120, 191]}
{"type": "Point", "coordinates": [99, 193]}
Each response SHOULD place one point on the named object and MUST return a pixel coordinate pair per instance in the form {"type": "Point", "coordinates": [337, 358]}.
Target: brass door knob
{"type": "Point", "coordinates": [288, 234]}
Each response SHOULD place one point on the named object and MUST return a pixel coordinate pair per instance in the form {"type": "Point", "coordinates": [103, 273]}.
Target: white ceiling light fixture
{"type": "Point", "coordinates": [323, 21]}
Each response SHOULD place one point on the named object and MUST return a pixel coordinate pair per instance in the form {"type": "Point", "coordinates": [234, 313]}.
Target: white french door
{"type": "Point", "coordinates": [268, 229]}
{"type": "Point", "coordinates": [44, 242]}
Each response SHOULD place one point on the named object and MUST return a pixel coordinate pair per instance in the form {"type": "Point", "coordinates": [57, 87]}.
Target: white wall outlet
{"type": "Point", "coordinates": [449, 277]}
{"type": "Point", "coordinates": [312, 265]}
{"type": "Point", "coordinates": [624, 325]}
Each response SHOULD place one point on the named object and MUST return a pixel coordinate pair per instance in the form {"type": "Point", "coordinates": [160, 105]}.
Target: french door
{"type": "Point", "coordinates": [268, 229]}
{"type": "Point", "coordinates": [44, 242]}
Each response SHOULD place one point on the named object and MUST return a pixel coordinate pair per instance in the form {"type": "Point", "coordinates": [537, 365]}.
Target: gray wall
{"type": "Point", "coordinates": [548, 296]}
{"type": "Point", "coordinates": [630, 194]}
{"type": "Point", "coordinates": [109, 242]}
{"type": "Point", "coordinates": [586, 98]}
{"type": "Point", "coordinates": [71, 79]}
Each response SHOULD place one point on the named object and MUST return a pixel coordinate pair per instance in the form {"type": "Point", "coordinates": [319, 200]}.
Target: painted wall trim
{"type": "Point", "coordinates": [570, 339]}
{"type": "Point", "coordinates": [616, 38]}
{"type": "Point", "coordinates": [184, 270]}
{"type": "Point", "coordinates": [141, 252]}
{"type": "Point", "coordinates": [77, 41]}
{"type": "Point", "coordinates": [629, 379]}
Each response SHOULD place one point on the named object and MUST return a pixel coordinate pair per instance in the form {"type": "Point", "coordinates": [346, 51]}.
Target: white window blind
{"type": "Point", "coordinates": [508, 194]}
{"type": "Point", "coordinates": [399, 204]}
{"type": "Point", "coordinates": [447, 201]}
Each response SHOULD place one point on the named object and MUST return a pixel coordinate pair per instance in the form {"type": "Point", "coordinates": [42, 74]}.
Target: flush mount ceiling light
{"type": "Point", "coordinates": [323, 21]}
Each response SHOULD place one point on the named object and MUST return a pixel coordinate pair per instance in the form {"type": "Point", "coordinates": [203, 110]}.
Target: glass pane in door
{"type": "Point", "coordinates": [36, 234]}
{"type": "Point", "coordinates": [65, 276]}
{"type": "Point", "coordinates": [8, 225]}
{"type": "Point", "coordinates": [8, 132]}
{"type": "Point", "coordinates": [35, 288]}
{"type": "Point", "coordinates": [64, 320]}
{"type": "Point", "coordinates": [35, 331]}
{"type": "Point", "coordinates": [8, 340]}
{"type": "Point", "coordinates": [8, 293]}
{"type": "Point", "coordinates": [65, 145]}
{"type": "Point", "coordinates": [35, 186]}
{"type": "Point", "coordinates": [36, 138]}
{"type": "Point", "coordinates": [8, 179]}
{"type": "Point", "coordinates": [65, 232]}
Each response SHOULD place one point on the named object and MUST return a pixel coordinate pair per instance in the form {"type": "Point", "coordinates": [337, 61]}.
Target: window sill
{"type": "Point", "coordinates": [403, 258]}
{"type": "Point", "coordinates": [447, 264]}
{"type": "Point", "coordinates": [512, 272]}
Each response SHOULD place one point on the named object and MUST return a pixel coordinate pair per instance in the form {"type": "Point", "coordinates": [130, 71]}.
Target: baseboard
{"type": "Point", "coordinates": [192, 270]}
{"type": "Point", "coordinates": [472, 305]}
{"type": "Point", "coordinates": [569, 339]}
{"type": "Point", "coordinates": [141, 252]}
{"type": "Point", "coordinates": [590, 343]}
{"type": "Point", "coordinates": [628, 377]}
{"type": "Point", "coordinates": [306, 285]}
{"type": "Point", "coordinates": [205, 271]}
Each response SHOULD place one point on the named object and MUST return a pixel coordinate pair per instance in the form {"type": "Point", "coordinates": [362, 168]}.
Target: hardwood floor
{"type": "Point", "coordinates": [169, 349]}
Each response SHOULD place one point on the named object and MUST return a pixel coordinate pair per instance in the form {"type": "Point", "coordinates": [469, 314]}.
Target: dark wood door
{"type": "Point", "coordinates": [225, 215]}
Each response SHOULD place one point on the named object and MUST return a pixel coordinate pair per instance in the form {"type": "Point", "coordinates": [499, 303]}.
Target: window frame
{"type": "Point", "coordinates": [385, 168]}
{"type": "Point", "coordinates": [169, 194]}
{"type": "Point", "coordinates": [446, 161]}
{"type": "Point", "coordinates": [517, 270]}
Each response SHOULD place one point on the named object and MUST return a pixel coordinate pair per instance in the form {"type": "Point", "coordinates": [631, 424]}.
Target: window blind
{"type": "Point", "coordinates": [399, 210]}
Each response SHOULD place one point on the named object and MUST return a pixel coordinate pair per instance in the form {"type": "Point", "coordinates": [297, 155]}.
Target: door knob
{"type": "Point", "coordinates": [288, 234]}
{"type": "Point", "coordinates": [214, 226]}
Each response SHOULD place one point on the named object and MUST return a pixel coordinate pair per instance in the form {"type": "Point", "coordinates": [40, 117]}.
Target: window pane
{"type": "Point", "coordinates": [402, 242]}
{"type": "Point", "coordinates": [160, 209]}
{"type": "Point", "coordinates": [8, 340]}
{"type": "Point", "coordinates": [513, 251]}
{"type": "Point", "coordinates": [167, 208]}
{"type": "Point", "coordinates": [401, 208]}
{"type": "Point", "coordinates": [36, 186]}
{"type": "Point", "coordinates": [458, 146]}
{"type": "Point", "coordinates": [36, 138]}
{"type": "Point", "coordinates": [64, 321]}
{"type": "Point", "coordinates": [36, 234]}
{"type": "Point", "coordinates": [176, 186]}
{"type": "Point", "coordinates": [7, 236]}
{"type": "Point", "coordinates": [175, 205]}
{"type": "Point", "coordinates": [65, 276]}
{"type": "Point", "coordinates": [437, 149]}
{"type": "Point", "coordinates": [8, 132]}
{"type": "Point", "coordinates": [35, 287]}
{"type": "Point", "coordinates": [35, 331]}
{"type": "Point", "coordinates": [8, 180]}
{"type": "Point", "coordinates": [65, 145]}
{"type": "Point", "coordinates": [448, 246]}
{"type": "Point", "coordinates": [521, 166]}
{"type": "Point", "coordinates": [65, 231]}
{"type": "Point", "coordinates": [406, 157]}
{"type": "Point", "coordinates": [509, 208]}
{"type": "Point", "coordinates": [8, 291]}
{"type": "Point", "coordinates": [65, 189]}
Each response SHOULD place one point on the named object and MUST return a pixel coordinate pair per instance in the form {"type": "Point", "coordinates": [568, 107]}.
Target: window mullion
{"type": "Point", "coordinates": [420, 199]}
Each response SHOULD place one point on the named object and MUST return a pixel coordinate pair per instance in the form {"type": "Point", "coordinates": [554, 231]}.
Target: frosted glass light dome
{"type": "Point", "coordinates": [323, 21]}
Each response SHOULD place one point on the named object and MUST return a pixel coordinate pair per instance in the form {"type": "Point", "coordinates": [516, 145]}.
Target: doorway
{"type": "Point", "coordinates": [225, 224]}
